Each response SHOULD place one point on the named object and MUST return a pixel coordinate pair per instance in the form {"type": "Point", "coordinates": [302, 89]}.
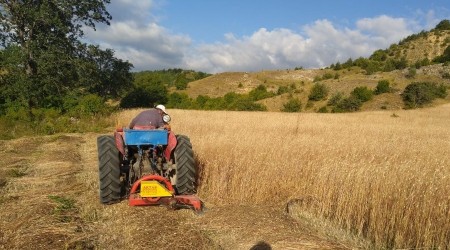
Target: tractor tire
{"type": "Point", "coordinates": [109, 170]}
{"type": "Point", "coordinates": [186, 169]}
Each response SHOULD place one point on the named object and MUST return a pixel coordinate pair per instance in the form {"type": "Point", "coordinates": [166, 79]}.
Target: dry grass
{"type": "Point", "coordinates": [381, 175]}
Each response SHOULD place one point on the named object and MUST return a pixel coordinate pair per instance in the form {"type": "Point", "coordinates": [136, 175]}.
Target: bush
{"type": "Point", "coordinates": [91, 105]}
{"type": "Point", "coordinates": [362, 93]}
{"type": "Point", "coordinates": [411, 72]}
{"type": "Point", "coordinates": [317, 79]}
{"type": "Point", "coordinates": [137, 98]}
{"type": "Point", "coordinates": [318, 92]}
{"type": "Point", "coordinates": [421, 93]}
{"type": "Point", "coordinates": [349, 104]}
{"type": "Point", "coordinates": [334, 100]}
{"type": "Point", "coordinates": [293, 105]}
{"type": "Point", "coordinates": [245, 104]}
{"type": "Point", "coordinates": [323, 110]}
{"type": "Point", "coordinates": [382, 87]}
{"type": "Point", "coordinates": [179, 101]}
{"type": "Point", "coordinates": [282, 89]}
{"type": "Point", "coordinates": [443, 25]}
{"type": "Point", "coordinates": [146, 96]}
{"type": "Point", "coordinates": [445, 57]}
{"type": "Point", "coordinates": [231, 101]}
{"type": "Point", "coordinates": [260, 93]}
{"type": "Point", "coordinates": [327, 76]}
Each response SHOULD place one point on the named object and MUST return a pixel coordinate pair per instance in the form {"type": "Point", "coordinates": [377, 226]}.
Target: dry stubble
{"type": "Point", "coordinates": [381, 175]}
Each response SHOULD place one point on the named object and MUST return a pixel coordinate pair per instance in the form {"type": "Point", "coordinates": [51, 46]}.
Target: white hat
{"type": "Point", "coordinates": [161, 107]}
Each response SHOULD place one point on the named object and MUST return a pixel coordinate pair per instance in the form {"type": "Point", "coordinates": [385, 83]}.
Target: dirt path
{"type": "Point", "coordinates": [49, 200]}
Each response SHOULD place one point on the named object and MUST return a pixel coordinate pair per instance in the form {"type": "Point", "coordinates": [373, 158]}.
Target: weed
{"type": "Point", "coordinates": [17, 172]}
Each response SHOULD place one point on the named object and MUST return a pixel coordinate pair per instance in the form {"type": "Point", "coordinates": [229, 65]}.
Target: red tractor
{"type": "Point", "coordinates": [149, 166]}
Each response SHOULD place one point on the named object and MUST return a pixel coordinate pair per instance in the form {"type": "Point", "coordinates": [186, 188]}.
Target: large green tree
{"type": "Point", "coordinates": [43, 57]}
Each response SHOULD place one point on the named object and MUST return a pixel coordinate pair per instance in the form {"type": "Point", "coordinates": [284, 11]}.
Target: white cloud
{"type": "Point", "coordinates": [137, 37]}
{"type": "Point", "coordinates": [322, 45]}
{"type": "Point", "coordinates": [384, 28]}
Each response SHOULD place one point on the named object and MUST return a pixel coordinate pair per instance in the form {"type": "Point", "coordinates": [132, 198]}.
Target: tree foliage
{"type": "Point", "coordinates": [177, 78]}
{"type": "Point", "coordinates": [318, 92]}
{"type": "Point", "coordinates": [383, 86]}
{"type": "Point", "coordinates": [43, 59]}
{"type": "Point", "coordinates": [292, 105]}
{"type": "Point", "coordinates": [349, 104]}
{"type": "Point", "coordinates": [260, 93]}
{"type": "Point", "coordinates": [445, 57]}
{"type": "Point", "coordinates": [420, 93]}
{"type": "Point", "coordinates": [362, 93]}
{"type": "Point", "coordinates": [443, 25]}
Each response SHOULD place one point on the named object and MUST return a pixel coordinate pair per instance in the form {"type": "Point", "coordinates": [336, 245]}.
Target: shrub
{"type": "Point", "coordinates": [181, 85]}
{"type": "Point", "coordinates": [137, 98]}
{"type": "Point", "coordinates": [317, 79]}
{"type": "Point", "coordinates": [91, 105]}
{"type": "Point", "coordinates": [323, 110]}
{"type": "Point", "coordinates": [282, 89]}
{"type": "Point", "coordinates": [16, 112]}
{"type": "Point", "coordinates": [443, 25]}
{"type": "Point", "coordinates": [362, 93]}
{"type": "Point", "coordinates": [246, 104]}
{"type": "Point", "coordinates": [334, 100]}
{"type": "Point", "coordinates": [327, 76]}
{"type": "Point", "coordinates": [260, 93]}
{"type": "Point", "coordinates": [411, 72]}
{"type": "Point", "coordinates": [146, 96]}
{"type": "Point", "coordinates": [445, 57]}
{"type": "Point", "coordinates": [420, 93]}
{"type": "Point", "coordinates": [293, 105]}
{"type": "Point", "coordinates": [179, 101]}
{"type": "Point", "coordinates": [318, 92]}
{"type": "Point", "coordinates": [382, 87]}
{"type": "Point", "coordinates": [349, 104]}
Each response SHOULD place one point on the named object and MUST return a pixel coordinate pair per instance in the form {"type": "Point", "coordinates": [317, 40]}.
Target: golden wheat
{"type": "Point", "coordinates": [381, 175]}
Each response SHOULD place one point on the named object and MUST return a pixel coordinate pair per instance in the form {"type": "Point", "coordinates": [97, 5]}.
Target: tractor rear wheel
{"type": "Point", "coordinates": [186, 169]}
{"type": "Point", "coordinates": [109, 169]}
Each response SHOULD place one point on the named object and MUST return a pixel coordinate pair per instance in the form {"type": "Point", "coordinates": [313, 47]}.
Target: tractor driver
{"type": "Point", "coordinates": [151, 119]}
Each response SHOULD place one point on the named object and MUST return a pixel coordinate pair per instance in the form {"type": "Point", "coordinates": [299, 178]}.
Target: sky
{"type": "Point", "coordinates": [215, 36]}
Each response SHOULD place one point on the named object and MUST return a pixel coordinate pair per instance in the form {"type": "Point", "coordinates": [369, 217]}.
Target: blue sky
{"type": "Point", "coordinates": [220, 36]}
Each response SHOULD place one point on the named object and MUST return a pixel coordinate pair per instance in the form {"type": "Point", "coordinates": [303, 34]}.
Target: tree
{"type": "Point", "coordinates": [49, 59]}
{"type": "Point", "coordinates": [41, 26]}
{"type": "Point", "coordinates": [349, 104]}
{"type": "Point", "coordinates": [443, 25]}
{"type": "Point", "coordinates": [260, 93]}
{"type": "Point", "coordinates": [382, 87]}
{"type": "Point", "coordinates": [293, 105]}
{"type": "Point", "coordinates": [418, 94]}
{"type": "Point", "coordinates": [318, 92]}
{"type": "Point", "coordinates": [445, 57]}
{"type": "Point", "coordinates": [104, 74]}
{"type": "Point", "coordinates": [362, 93]}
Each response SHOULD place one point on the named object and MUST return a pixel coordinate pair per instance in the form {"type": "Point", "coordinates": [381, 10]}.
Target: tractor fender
{"type": "Point", "coordinates": [171, 144]}
{"type": "Point", "coordinates": [118, 136]}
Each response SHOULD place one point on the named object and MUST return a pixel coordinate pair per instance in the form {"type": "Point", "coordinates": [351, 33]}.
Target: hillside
{"type": "Point", "coordinates": [411, 60]}
{"type": "Point", "coordinates": [243, 82]}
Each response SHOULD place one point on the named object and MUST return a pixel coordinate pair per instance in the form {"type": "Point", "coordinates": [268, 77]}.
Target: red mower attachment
{"type": "Point", "coordinates": [157, 190]}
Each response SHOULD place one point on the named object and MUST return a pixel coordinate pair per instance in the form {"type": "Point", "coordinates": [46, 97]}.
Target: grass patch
{"type": "Point", "coordinates": [17, 172]}
{"type": "Point", "coordinates": [64, 208]}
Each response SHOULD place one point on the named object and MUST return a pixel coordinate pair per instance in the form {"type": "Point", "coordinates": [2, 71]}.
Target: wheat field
{"type": "Point", "coordinates": [383, 176]}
